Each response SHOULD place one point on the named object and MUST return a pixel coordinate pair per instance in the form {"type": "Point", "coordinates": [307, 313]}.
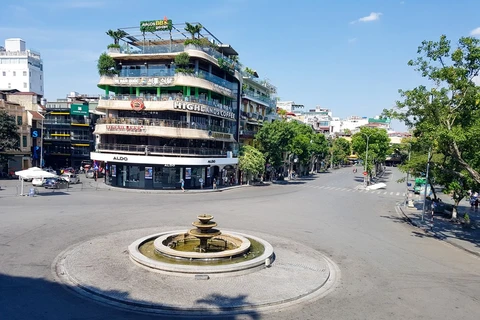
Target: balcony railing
{"type": "Point", "coordinates": [80, 121]}
{"type": "Point", "coordinates": [162, 72]}
{"type": "Point", "coordinates": [267, 100]}
{"type": "Point", "coordinates": [170, 97]}
{"type": "Point", "coordinates": [177, 47]}
{"type": "Point", "coordinates": [54, 122]}
{"type": "Point", "coordinates": [159, 150]}
{"type": "Point", "coordinates": [164, 123]}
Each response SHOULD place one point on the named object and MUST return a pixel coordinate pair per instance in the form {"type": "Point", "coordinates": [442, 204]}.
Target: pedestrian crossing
{"type": "Point", "coordinates": [377, 192]}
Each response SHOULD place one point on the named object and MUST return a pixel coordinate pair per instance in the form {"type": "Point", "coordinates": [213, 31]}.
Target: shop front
{"type": "Point", "coordinates": [128, 171]}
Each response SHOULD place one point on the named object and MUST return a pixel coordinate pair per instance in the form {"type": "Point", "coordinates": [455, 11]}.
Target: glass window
{"type": "Point", "coordinates": [166, 177]}
{"type": "Point", "coordinates": [9, 85]}
{"type": "Point", "coordinates": [19, 120]}
{"type": "Point", "coordinates": [14, 73]}
{"type": "Point", "coordinates": [24, 85]}
{"type": "Point", "coordinates": [24, 73]}
{"type": "Point", "coordinates": [4, 73]}
{"type": "Point", "coordinates": [24, 141]}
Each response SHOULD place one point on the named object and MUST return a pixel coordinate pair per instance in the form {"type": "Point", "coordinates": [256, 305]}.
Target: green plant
{"type": "Point", "coordinates": [225, 65]}
{"type": "Point", "coordinates": [106, 65]}
{"type": "Point", "coordinates": [184, 70]}
{"type": "Point", "coordinates": [182, 60]}
{"type": "Point", "coordinates": [113, 45]}
{"type": "Point", "coordinates": [116, 35]}
{"type": "Point", "coordinates": [193, 29]}
{"type": "Point", "coordinates": [250, 71]}
{"type": "Point", "coordinates": [466, 217]}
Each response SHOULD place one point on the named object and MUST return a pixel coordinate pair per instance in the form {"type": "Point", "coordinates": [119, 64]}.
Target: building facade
{"type": "Point", "coordinates": [68, 131]}
{"type": "Point", "coordinates": [169, 120]}
{"type": "Point", "coordinates": [28, 152]}
{"type": "Point", "coordinates": [20, 68]}
{"type": "Point", "coordinates": [258, 106]}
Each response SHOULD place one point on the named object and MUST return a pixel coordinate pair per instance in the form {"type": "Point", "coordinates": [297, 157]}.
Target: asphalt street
{"type": "Point", "coordinates": [389, 269]}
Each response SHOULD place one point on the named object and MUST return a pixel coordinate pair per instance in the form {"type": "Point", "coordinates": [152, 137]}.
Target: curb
{"type": "Point", "coordinates": [103, 186]}
{"type": "Point", "coordinates": [438, 235]}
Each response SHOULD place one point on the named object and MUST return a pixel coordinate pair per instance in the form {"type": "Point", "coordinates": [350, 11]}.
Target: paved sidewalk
{"type": "Point", "coordinates": [442, 227]}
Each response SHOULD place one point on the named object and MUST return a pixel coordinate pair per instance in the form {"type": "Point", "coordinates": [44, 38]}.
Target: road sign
{"type": "Point", "coordinates": [365, 173]}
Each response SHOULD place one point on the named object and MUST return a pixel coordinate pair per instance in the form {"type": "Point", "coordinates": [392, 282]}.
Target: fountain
{"type": "Point", "coordinates": [202, 250]}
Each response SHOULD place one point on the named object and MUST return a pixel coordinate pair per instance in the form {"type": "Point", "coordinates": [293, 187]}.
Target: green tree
{"type": "Point", "coordinates": [251, 161]}
{"type": "Point", "coordinates": [193, 29]}
{"type": "Point", "coordinates": [274, 139]}
{"type": "Point", "coordinates": [341, 149]}
{"type": "Point", "coordinates": [446, 115]}
{"type": "Point", "coordinates": [106, 65]}
{"type": "Point", "coordinates": [116, 35]}
{"type": "Point", "coordinates": [9, 137]}
{"type": "Point", "coordinates": [378, 146]}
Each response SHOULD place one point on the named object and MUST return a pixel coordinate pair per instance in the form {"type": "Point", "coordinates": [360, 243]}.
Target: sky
{"type": "Point", "coordinates": [348, 56]}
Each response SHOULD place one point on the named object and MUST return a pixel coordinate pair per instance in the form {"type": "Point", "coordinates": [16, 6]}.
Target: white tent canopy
{"type": "Point", "coordinates": [33, 173]}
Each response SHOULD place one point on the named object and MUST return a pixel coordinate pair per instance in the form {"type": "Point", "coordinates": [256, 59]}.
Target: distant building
{"type": "Point", "coordinates": [20, 68]}
{"type": "Point", "coordinates": [290, 106]}
{"type": "Point", "coordinates": [320, 119]}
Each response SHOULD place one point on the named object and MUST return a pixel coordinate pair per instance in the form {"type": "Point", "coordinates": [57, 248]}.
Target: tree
{"type": "Point", "coordinates": [9, 137]}
{"type": "Point", "coordinates": [447, 114]}
{"type": "Point", "coordinates": [193, 29]}
{"type": "Point", "coordinates": [106, 65]}
{"type": "Point", "coordinates": [274, 139]}
{"type": "Point", "coordinates": [251, 161]}
{"type": "Point", "coordinates": [116, 35]}
{"type": "Point", "coordinates": [340, 150]}
{"type": "Point", "coordinates": [378, 146]}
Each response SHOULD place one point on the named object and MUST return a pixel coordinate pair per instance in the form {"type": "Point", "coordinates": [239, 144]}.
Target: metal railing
{"type": "Point", "coordinates": [170, 97]}
{"type": "Point", "coordinates": [251, 94]}
{"type": "Point", "coordinates": [165, 123]}
{"type": "Point", "coordinates": [149, 149]}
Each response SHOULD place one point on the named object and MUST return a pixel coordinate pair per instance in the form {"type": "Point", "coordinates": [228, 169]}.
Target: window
{"type": "Point", "coordinates": [24, 73]}
{"type": "Point", "coordinates": [14, 73]}
{"type": "Point", "coordinates": [19, 120]}
{"type": "Point", "coordinates": [4, 73]}
{"type": "Point", "coordinates": [41, 88]}
{"type": "Point", "coordinates": [25, 85]}
{"type": "Point", "coordinates": [24, 141]}
{"type": "Point", "coordinates": [30, 73]}
{"type": "Point", "coordinates": [40, 77]}
{"type": "Point", "coordinates": [9, 85]}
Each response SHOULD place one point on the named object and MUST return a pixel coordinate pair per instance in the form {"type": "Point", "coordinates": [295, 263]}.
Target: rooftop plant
{"type": "Point", "coordinates": [116, 35]}
{"type": "Point", "coordinates": [106, 65]}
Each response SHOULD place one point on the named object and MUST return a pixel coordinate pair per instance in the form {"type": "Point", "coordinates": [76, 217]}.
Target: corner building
{"type": "Point", "coordinates": [166, 122]}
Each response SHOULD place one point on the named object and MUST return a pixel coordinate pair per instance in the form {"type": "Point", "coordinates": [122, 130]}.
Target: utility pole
{"type": "Point", "coordinates": [426, 183]}
{"type": "Point", "coordinates": [408, 173]}
{"type": "Point", "coordinates": [365, 179]}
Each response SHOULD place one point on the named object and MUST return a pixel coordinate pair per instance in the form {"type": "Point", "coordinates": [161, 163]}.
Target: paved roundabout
{"type": "Point", "coordinates": [100, 269]}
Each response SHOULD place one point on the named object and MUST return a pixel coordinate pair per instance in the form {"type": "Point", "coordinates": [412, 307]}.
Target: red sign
{"type": "Point", "coordinates": [137, 104]}
{"type": "Point", "coordinates": [365, 173]}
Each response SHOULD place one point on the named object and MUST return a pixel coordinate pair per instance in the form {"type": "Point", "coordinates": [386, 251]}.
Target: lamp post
{"type": "Point", "coordinates": [408, 174]}
{"type": "Point", "coordinates": [426, 183]}
{"type": "Point", "coordinates": [365, 179]}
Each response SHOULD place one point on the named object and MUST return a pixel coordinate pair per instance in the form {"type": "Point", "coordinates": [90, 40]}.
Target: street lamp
{"type": "Point", "coordinates": [365, 176]}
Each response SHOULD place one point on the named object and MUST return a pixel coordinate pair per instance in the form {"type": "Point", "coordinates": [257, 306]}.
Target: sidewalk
{"type": "Point", "coordinates": [443, 228]}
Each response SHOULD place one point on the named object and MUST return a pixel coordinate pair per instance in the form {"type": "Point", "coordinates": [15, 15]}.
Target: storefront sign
{"type": "Point", "coordinates": [211, 161]}
{"type": "Point", "coordinates": [120, 158]}
{"type": "Point", "coordinates": [188, 173]}
{"type": "Point", "coordinates": [124, 128]}
{"type": "Point", "coordinates": [137, 104]}
{"type": "Point", "coordinates": [79, 110]}
{"type": "Point", "coordinates": [182, 105]}
{"type": "Point", "coordinates": [148, 173]}
{"type": "Point", "coordinates": [156, 25]}
{"type": "Point", "coordinates": [144, 81]}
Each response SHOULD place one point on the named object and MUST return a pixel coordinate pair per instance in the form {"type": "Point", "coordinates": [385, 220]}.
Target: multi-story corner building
{"type": "Point", "coordinates": [28, 145]}
{"type": "Point", "coordinates": [320, 119]}
{"type": "Point", "coordinates": [68, 131]}
{"type": "Point", "coordinates": [258, 106]}
{"type": "Point", "coordinates": [172, 109]}
{"type": "Point", "coordinates": [20, 68]}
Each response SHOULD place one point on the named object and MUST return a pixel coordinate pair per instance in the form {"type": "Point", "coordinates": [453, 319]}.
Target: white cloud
{"type": "Point", "coordinates": [352, 40]}
{"type": "Point", "coordinates": [475, 32]}
{"type": "Point", "coordinates": [371, 17]}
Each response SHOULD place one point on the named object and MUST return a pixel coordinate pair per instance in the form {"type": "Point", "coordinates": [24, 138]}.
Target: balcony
{"type": "Point", "coordinates": [264, 100]}
{"type": "Point", "coordinates": [56, 122]}
{"type": "Point", "coordinates": [247, 133]}
{"type": "Point", "coordinates": [160, 150]}
{"type": "Point", "coordinates": [80, 122]}
{"type": "Point", "coordinates": [176, 48]}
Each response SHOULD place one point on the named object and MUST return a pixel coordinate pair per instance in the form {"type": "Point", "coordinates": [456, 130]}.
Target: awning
{"type": "Point", "coordinates": [99, 113]}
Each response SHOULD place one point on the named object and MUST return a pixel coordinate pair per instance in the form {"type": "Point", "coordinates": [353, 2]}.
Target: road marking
{"type": "Point", "coordinates": [385, 192]}
{"type": "Point", "coordinates": [391, 193]}
{"type": "Point", "coordinates": [398, 193]}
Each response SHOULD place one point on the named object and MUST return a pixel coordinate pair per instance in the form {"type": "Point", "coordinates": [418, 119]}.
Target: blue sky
{"type": "Point", "coordinates": [349, 56]}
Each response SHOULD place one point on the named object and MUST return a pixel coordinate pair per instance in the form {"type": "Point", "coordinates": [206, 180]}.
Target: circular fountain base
{"type": "Point", "coordinates": [161, 245]}
{"type": "Point", "coordinates": [99, 269]}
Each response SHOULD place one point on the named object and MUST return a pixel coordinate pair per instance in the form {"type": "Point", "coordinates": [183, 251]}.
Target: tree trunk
{"type": "Point", "coordinates": [473, 173]}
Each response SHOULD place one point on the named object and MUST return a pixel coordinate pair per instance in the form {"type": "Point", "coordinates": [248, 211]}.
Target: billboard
{"type": "Point", "coordinates": [79, 110]}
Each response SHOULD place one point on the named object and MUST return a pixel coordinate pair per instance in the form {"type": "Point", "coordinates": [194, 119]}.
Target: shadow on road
{"type": "Point", "coordinates": [35, 298]}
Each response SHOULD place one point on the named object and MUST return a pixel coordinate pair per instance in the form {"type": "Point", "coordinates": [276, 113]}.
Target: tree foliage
{"type": "Point", "coordinates": [106, 65]}
{"type": "Point", "coordinates": [116, 35]}
{"type": "Point", "coordinates": [193, 29]}
{"type": "Point", "coordinates": [340, 149]}
{"type": "Point", "coordinates": [447, 114]}
{"type": "Point", "coordinates": [9, 137]}
{"type": "Point", "coordinates": [378, 145]}
{"type": "Point", "coordinates": [251, 161]}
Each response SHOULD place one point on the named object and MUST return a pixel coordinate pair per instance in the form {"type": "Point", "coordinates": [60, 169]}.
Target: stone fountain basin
{"type": "Point", "coordinates": [218, 270]}
{"type": "Point", "coordinates": [161, 246]}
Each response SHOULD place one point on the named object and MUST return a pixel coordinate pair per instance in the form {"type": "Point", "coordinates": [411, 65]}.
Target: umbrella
{"type": "Point", "coordinates": [33, 173]}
